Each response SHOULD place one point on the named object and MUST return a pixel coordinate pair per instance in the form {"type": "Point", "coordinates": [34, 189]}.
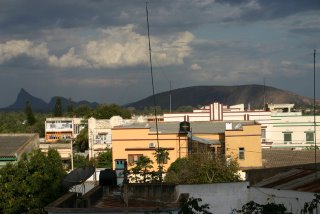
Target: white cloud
{"type": "Point", "coordinates": [97, 82]}
{"type": "Point", "coordinates": [67, 60]}
{"type": "Point", "coordinates": [15, 48]}
{"type": "Point", "coordinates": [117, 47]}
{"type": "Point", "coordinates": [121, 47]}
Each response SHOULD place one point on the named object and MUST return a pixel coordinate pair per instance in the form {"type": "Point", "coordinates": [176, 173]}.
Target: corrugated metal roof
{"type": "Point", "coordinates": [9, 144]}
{"type": "Point", "coordinates": [286, 157]}
{"type": "Point", "coordinates": [197, 127]}
{"type": "Point", "coordinates": [306, 180]}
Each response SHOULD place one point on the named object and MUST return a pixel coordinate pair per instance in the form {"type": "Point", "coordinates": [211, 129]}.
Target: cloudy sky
{"type": "Point", "coordinates": [97, 50]}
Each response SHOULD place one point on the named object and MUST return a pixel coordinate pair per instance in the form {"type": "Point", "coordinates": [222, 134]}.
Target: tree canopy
{"type": "Point", "coordinates": [30, 184]}
{"type": "Point", "coordinates": [104, 159]}
{"type": "Point", "coordinates": [201, 169]}
{"type": "Point", "coordinates": [29, 114]}
{"type": "Point", "coordinates": [57, 112]}
{"type": "Point", "coordinates": [81, 143]}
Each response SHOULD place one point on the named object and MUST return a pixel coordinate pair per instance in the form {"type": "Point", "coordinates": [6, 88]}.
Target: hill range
{"type": "Point", "coordinates": [255, 95]}
{"type": "Point", "coordinates": [194, 96]}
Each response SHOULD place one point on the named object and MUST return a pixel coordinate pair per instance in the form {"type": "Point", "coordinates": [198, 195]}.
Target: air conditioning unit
{"type": "Point", "coordinates": [152, 145]}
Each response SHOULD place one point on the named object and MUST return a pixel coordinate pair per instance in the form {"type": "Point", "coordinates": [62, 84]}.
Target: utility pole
{"type": "Point", "coordinates": [170, 96]}
{"type": "Point", "coordinates": [314, 112]}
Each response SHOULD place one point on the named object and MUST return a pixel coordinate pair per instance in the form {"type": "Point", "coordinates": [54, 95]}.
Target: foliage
{"type": "Point", "coordinates": [203, 168]}
{"type": "Point", "coordinates": [104, 159]}
{"type": "Point", "coordinates": [14, 122]}
{"type": "Point", "coordinates": [185, 109]}
{"type": "Point", "coordinates": [29, 114]}
{"type": "Point", "coordinates": [57, 112]}
{"type": "Point", "coordinates": [82, 111]}
{"type": "Point", "coordinates": [161, 155]}
{"type": "Point", "coordinates": [81, 142]}
{"type": "Point", "coordinates": [310, 206]}
{"type": "Point", "coordinates": [69, 107]}
{"type": "Point", "coordinates": [143, 171]}
{"type": "Point", "coordinates": [107, 111]}
{"type": "Point", "coordinates": [80, 161]}
{"type": "Point", "coordinates": [191, 206]}
{"type": "Point", "coordinates": [31, 183]}
{"type": "Point", "coordinates": [255, 208]}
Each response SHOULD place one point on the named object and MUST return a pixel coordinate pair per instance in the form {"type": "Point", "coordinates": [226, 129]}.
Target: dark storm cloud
{"type": "Point", "coordinates": [273, 9]}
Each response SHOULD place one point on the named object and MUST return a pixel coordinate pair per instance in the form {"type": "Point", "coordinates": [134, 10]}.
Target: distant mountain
{"type": "Point", "coordinates": [229, 95]}
{"type": "Point", "coordinates": [38, 105]}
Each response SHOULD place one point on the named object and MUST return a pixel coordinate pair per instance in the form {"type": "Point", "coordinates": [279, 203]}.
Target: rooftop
{"type": "Point", "coordinates": [306, 180]}
{"type": "Point", "coordinates": [286, 157]}
{"type": "Point", "coordinates": [11, 143]}
{"type": "Point", "coordinates": [198, 127]}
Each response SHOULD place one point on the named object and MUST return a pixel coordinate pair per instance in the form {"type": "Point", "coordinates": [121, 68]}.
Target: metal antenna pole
{"type": "Point", "coordinates": [314, 111]}
{"type": "Point", "coordinates": [150, 60]}
{"type": "Point", "coordinates": [170, 96]}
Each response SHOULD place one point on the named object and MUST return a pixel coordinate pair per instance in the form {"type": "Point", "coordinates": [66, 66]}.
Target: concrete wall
{"type": "Point", "coordinates": [224, 197]}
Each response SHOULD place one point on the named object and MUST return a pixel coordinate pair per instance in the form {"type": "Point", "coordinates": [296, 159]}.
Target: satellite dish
{"type": "Point", "coordinates": [238, 126]}
{"type": "Point", "coordinates": [77, 176]}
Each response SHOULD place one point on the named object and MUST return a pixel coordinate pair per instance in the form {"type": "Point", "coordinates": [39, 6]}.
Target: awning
{"type": "Point", "coordinates": [202, 140]}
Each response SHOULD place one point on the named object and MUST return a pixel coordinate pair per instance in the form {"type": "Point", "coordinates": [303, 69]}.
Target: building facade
{"type": "Point", "coordinates": [132, 141]}
{"type": "Point", "coordinates": [100, 132]}
{"type": "Point", "coordinates": [281, 126]}
{"type": "Point", "coordinates": [62, 128]}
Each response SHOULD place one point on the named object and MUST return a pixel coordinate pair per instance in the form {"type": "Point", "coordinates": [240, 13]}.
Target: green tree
{"type": "Point", "coordinates": [29, 114]}
{"type": "Point", "coordinates": [191, 206]}
{"type": "Point", "coordinates": [83, 111]}
{"type": "Point", "coordinates": [80, 161]}
{"type": "Point", "coordinates": [253, 207]}
{"type": "Point", "coordinates": [70, 107]}
{"type": "Point", "coordinates": [104, 159]}
{"type": "Point", "coordinates": [203, 168]}
{"type": "Point", "coordinates": [31, 183]}
{"type": "Point", "coordinates": [107, 111]}
{"type": "Point", "coordinates": [81, 143]}
{"type": "Point", "coordinates": [141, 172]}
{"type": "Point", "coordinates": [57, 112]}
{"type": "Point", "coordinates": [162, 156]}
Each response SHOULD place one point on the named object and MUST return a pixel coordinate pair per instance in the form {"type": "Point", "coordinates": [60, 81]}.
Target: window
{"type": "Point", "coordinates": [241, 153]}
{"type": "Point", "coordinates": [263, 135]}
{"type": "Point", "coordinates": [309, 137]}
{"type": "Point", "coordinates": [132, 159]}
{"type": "Point", "coordinates": [287, 137]}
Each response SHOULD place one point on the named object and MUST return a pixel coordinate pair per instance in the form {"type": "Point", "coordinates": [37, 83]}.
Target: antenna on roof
{"type": "Point", "coordinates": [150, 60]}
{"type": "Point", "coordinates": [264, 94]}
{"type": "Point", "coordinates": [314, 111]}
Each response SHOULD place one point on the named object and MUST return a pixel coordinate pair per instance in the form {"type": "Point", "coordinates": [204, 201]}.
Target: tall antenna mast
{"type": "Point", "coordinates": [153, 94]}
{"type": "Point", "coordinates": [314, 111]}
{"type": "Point", "coordinates": [170, 96]}
{"type": "Point", "coordinates": [264, 94]}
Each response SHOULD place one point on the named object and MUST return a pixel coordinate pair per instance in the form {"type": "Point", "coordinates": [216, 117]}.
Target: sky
{"type": "Point", "coordinates": [97, 50]}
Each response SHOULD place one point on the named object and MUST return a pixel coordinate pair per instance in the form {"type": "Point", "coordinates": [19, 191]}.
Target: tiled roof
{"type": "Point", "coordinates": [10, 143]}
{"type": "Point", "coordinates": [285, 157]}
{"type": "Point", "coordinates": [295, 179]}
{"type": "Point", "coordinates": [203, 127]}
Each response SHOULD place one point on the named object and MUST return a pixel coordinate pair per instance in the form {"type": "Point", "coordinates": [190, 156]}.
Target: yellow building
{"type": "Point", "coordinates": [131, 141]}
{"type": "Point", "coordinates": [244, 145]}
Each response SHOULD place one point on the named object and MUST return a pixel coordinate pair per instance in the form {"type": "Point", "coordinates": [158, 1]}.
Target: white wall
{"type": "Point", "coordinates": [224, 197]}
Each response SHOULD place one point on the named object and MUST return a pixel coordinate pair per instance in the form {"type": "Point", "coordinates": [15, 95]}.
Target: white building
{"type": "Point", "coordinates": [100, 135]}
{"type": "Point", "coordinates": [62, 128]}
{"type": "Point", "coordinates": [281, 127]}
